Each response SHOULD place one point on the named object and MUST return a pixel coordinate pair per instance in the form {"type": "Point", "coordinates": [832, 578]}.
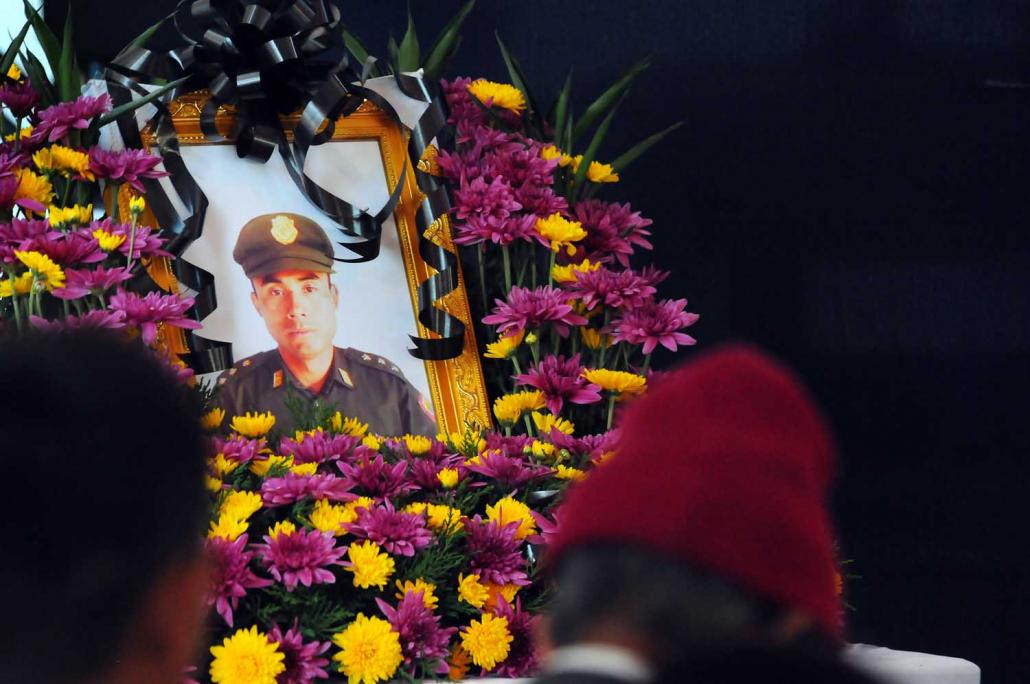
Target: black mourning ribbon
{"type": "Point", "coordinates": [268, 59]}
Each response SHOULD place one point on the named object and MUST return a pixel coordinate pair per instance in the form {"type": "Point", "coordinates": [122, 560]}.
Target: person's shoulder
{"type": "Point", "coordinates": [247, 368]}
{"type": "Point", "coordinates": [372, 362]}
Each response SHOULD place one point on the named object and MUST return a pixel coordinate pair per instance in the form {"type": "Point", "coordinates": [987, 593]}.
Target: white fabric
{"type": "Point", "coordinates": [601, 659]}
{"type": "Point", "coordinates": [906, 667]}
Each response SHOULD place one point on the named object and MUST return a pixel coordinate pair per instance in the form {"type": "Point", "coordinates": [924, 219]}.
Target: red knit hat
{"type": "Point", "coordinates": [725, 463]}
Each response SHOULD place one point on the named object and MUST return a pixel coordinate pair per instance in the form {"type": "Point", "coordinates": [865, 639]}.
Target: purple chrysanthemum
{"type": "Point", "coordinates": [231, 575]}
{"type": "Point", "coordinates": [560, 379]}
{"type": "Point", "coordinates": [484, 200]}
{"type": "Point", "coordinates": [19, 233]}
{"type": "Point", "coordinates": [509, 472]}
{"type": "Point", "coordinates": [128, 165]}
{"type": "Point", "coordinates": [526, 308]}
{"type": "Point", "coordinates": [396, 531]}
{"type": "Point", "coordinates": [56, 121]}
{"type": "Point", "coordinates": [612, 230]}
{"type": "Point", "coordinates": [500, 231]}
{"type": "Point", "coordinates": [540, 200]}
{"type": "Point", "coordinates": [523, 659]}
{"type": "Point", "coordinates": [81, 282]}
{"type": "Point", "coordinates": [615, 289]}
{"type": "Point", "coordinates": [144, 241]}
{"type": "Point", "coordinates": [425, 471]}
{"type": "Point", "coordinates": [301, 557]}
{"type": "Point", "coordinates": [20, 98]}
{"type": "Point", "coordinates": [373, 477]}
{"type": "Point", "coordinates": [152, 309]}
{"type": "Point", "coordinates": [303, 660]}
{"type": "Point", "coordinates": [291, 487]}
{"type": "Point", "coordinates": [495, 551]}
{"type": "Point", "coordinates": [656, 323]}
{"type": "Point", "coordinates": [520, 166]}
{"type": "Point", "coordinates": [67, 249]}
{"type": "Point", "coordinates": [419, 630]}
{"type": "Point", "coordinates": [459, 102]}
{"type": "Point", "coordinates": [241, 449]}
{"type": "Point", "coordinates": [96, 319]}
{"type": "Point", "coordinates": [318, 447]}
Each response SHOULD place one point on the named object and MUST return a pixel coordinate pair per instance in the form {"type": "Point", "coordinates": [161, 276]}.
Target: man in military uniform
{"type": "Point", "coordinates": [288, 259]}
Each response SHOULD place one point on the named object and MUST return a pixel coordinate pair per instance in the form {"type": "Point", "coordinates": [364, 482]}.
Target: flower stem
{"type": "Point", "coordinates": [611, 410]}
{"type": "Point", "coordinates": [550, 269]}
{"type": "Point", "coordinates": [529, 424]}
{"type": "Point", "coordinates": [646, 366]}
{"type": "Point", "coordinates": [604, 346]}
{"type": "Point", "coordinates": [507, 268]}
{"type": "Point", "coordinates": [482, 278]}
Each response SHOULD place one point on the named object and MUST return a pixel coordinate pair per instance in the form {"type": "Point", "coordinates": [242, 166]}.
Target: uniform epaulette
{"type": "Point", "coordinates": [374, 361]}
{"type": "Point", "coordinates": [241, 367]}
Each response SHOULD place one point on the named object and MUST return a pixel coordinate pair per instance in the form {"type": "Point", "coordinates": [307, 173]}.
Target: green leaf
{"type": "Point", "coordinates": [561, 113]}
{"type": "Point", "coordinates": [518, 79]}
{"type": "Point", "coordinates": [492, 115]}
{"type": "Point", "coordinates": [136, 104]}
{"type": "Point", "coordinates": [141, 39]}
{"type": "Point", "coordinates": [394, 53]}
{"type": "Point", "coordinates": [591, 152]}
{"type": "Point", "coordinates": [446, 44]}
{"type": "Point", "coordinates": [47, 39]}
{"type": "Point", "coordinates": [608, 99]}
{"type": "Point", "coordinates": [634, 153]}
{"type": "Point", "coordinates": [358, 50]}
{"type": "Point", "coordinates": [69, 81]}
{"type": "Point", "coordinates": [12, 51]}
{"type": "Point", "coordinates": [408, 55]}
{"type": "Point", "coordinates": [40, 83]}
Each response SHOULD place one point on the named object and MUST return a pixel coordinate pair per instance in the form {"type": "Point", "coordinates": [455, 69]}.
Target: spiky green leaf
{"type": "Point", "coordinates": [51, 45]}
{"type": "Point", "coordinates": [561, 113]}
{"type": "Point", "coordinates": [69, 80]}
{"type": "Point", "coordinates": [518, 79]}
{"type": "Point", "coordinates": [591, 152]}
{"type": "Point", "coordinates": [608, 99]}
{"type": "Point", "coordinates": [137, 103]}
{"type": "Point", "coordinates": [408, 55]}
{"type": "Point", "coordinates": [634, 153]}
{"type": "Point", "coordinates": [12, 51]}
{"type": "Point", "coordinates": [40, 82]}
{"type": "Point", "coordinates": [446, 44]}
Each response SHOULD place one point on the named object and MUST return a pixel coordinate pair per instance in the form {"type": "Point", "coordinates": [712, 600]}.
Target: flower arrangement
{"type": "Point", "coordinates": [63, 263]}
{"type": "Point", "coordinates": [381, 557]}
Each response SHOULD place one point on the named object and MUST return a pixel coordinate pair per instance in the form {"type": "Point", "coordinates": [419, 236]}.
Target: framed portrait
{"type": "Point", "coordinates": [284, 297]}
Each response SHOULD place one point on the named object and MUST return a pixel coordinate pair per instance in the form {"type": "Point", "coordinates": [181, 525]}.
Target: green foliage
{"type": "Point", "coordinates": [446, 44]}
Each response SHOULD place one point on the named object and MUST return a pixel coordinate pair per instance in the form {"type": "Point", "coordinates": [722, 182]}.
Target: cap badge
{"type": "Point", "coordinates": [283, 230]}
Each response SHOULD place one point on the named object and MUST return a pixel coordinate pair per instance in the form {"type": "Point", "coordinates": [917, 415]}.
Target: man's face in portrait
{"type": "Point", "coordinates": [299, 310]}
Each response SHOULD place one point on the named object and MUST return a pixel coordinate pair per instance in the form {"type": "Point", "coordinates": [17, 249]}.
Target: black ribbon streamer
{"type": "Point", "coordinates": [268, 59]}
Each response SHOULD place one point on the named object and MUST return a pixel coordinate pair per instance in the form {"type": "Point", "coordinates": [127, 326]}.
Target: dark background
{"type": "Point", "coordinates": [850, 191]}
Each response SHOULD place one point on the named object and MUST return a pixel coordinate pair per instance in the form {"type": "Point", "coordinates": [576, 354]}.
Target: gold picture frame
{"type": "Point", "coordinates": [457, 386]}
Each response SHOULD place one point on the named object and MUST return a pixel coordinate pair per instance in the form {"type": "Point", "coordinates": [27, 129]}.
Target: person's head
{"type": "Point", "coordinates": [709, 524]}
{"type": "Point", "coordinates": [102, 575]}
{"type": "Point", "coordinates": [288, 259]}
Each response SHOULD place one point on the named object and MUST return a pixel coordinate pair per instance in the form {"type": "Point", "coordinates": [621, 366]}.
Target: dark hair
{"type": "Point", "coordinates": [750, 665]}
{"type": "Point", "coordinates": [103, 466]}
{"type": "Point", "coordinates": [675, 608]}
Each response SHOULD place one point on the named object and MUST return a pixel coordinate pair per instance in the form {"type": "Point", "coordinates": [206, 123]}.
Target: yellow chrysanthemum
{"type": "Point", "coordinates": [304, 468]}
{"type": "Point", "coordinates": [247, 657]}
{"type": "Point", "coordinates": [329, 517]}
{"type": "Point", "coordinates": [108, 241]}
{"type": "Point", "coordinates": [61, 217]}
{"type": "Point", "coordinates": [33, 186]}
{"type": "Point", "coordinates": [545, 422]}
{"type": "Point", "coordinates": [372, 442]}
{"type": "Point", "coordinates": [472, 591]}
{"type": "Point", "coordinates": [592, 337]}
{"type": "Point", "coordinates": [565, 473]}
{"type": "Point", "coordinates": [282, 527]}
{"type": "Point", "coordinates": [439, 517]}
{"type": "Point", "coordinates": [212, 419]}
{"type": "Point", "coordinates": [550, 152]}
{"type": "Point", "coordinates": [213, 484]}
{"type": "Point", "coordinates": [505, 346]}
{"type": "Point", "coordinates": [427, 589]}
{"type": "Point", "coordinates": [227, 527]}
{"type": "Point", "coordinates": [370, 565]}
{"type": "Point", "coordinates": [370, 651]}
{"type": "Point", "coordinates": [623, 384]}
{"type": "Point", "coordinates": [418, 444]}
{"type": "Point", "coordinates": [240, 505]}
{"type": "Point", "coordinates": [568, 274]}
{"type": "Point", "coordinates": [224, 466]}
{"type": "Point", "coordinates": [500, 95]}
{"type": "Point", "coordinates": [574, 162]}
{"type": "Point", "coordinates": [65, 160]}
{"type": "Point", "coordinates": [488, 640]}
{"type": "Point", "coordinates": [601, 173]}
{"type": "Point", "coordinates": [509, 510]}
{"type": "Point", "coordinates": [14, 72]}
{"type": "Point", "coordinates": [42, 267]}
{"type": "Point", "coordinates": [448, 477]}
{"type": "Point", "coordinates": [498, 593]}
{"type": "Point", "coordinates": [510, 407]}
{"type": "Point", "coordinates": [348, 426]}
{"type": "Point", "coordinates": [23, 134]}
{"type": "Point", "coordinates": [542, 450]}
{"type": "Point", "coordinates": [560, 232]}
{"type": "Point", "coordinates": [20, 285]}
{"type": "Point", "coordinates": [253, 424]}
{"type": "Point", "coordinates": [137, 204]}
{"type": "Point", "coordinates": [261, 468]}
